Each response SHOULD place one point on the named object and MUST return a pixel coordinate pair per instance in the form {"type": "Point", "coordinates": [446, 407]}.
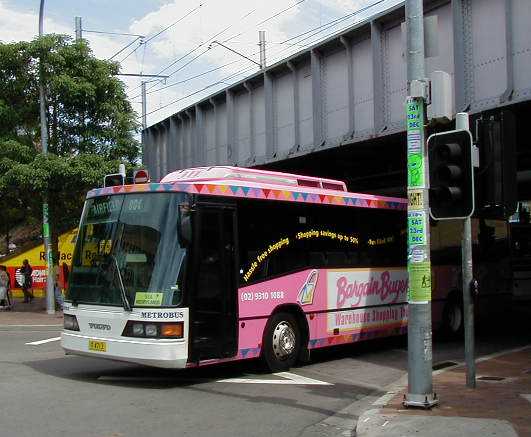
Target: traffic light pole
{"type": "Point", "coordinates": [461, 122]}
{"type": "Point", "coordinates": [420, 386]}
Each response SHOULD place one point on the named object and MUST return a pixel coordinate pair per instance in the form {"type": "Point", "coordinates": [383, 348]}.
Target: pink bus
{"type": "Point", "coordinates": [222, 263]}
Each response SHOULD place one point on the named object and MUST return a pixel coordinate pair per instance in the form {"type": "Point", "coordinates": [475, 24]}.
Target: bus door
{"type": "Point", "coordinates": [213, 304]}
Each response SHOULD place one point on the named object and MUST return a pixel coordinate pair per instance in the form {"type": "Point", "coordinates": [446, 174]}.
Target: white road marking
{"type": "Point", "coordinates": [385, 423]}
{"type": "Point", "coordinates": [289, 379]}
{"type": "Point", "coordinates": [528, 397]}
{"type": "Point", "coordinates": [48, 340]}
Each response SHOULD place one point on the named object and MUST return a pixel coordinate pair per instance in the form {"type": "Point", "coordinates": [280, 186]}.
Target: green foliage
{"type": "Point", "coordinates": [91, 128]}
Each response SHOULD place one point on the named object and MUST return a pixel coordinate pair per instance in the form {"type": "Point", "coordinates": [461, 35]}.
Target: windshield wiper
{"type": "Point", "coordinates": [127, 305]}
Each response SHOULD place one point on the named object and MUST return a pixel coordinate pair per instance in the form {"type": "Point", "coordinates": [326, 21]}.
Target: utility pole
{"type": "Point", "coordinates": [262, 45]}
{"type": "Point", "coordinates": [143, 91]}
{"type": "Point", "coordinates": [79, 28]}
{"type": "Point", "coordinates": [144, 105]}
{"type": "Point", "coordinates": [461, 122]}
{"type": "Point", "coordinates": [420, 381]}
{"type": "Point", "coordinates": [50, 279]}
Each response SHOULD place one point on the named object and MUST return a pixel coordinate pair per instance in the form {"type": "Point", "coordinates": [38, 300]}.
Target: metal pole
{"type": "Point", "coordinates": [144, 118]}
{"type": "Point", "coordinates": [262, 45]}
{"type": "Point", "coordinates": [420, 388]}
{"type": "Point", "coordinates": [461, 122]}
{"type": "Point", "coordinates": [50, 279]}
{"type": "Point", "coordinates": [79, 29]}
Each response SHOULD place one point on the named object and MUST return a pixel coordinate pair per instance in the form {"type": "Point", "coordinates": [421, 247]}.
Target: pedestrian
{"type": "Point", "coordinates": [4, 286]}
{"type": "Point", "coordinates": [27, 282]}
{"type": "Point", "coordinates": [59, 300]}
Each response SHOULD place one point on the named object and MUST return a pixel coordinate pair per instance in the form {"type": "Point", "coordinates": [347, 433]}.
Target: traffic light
{"type": "Point", "coordinates": [497, 187]}
{"type": "Point", "coordinates": [451, 174]}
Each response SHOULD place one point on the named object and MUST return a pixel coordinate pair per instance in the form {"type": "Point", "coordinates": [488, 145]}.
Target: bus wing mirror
{"type": "Point", "coordinates": [185, 225]}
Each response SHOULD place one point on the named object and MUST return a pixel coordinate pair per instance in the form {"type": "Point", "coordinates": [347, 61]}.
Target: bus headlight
{"type": "Point", "coordinates": [154, 329]}
{"type": "Point", "coordinates": [151, 330]}
{"type": "Point", "coordinates": [138, 329]}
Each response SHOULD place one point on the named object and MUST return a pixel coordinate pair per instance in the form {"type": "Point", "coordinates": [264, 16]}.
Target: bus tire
{"type": "Point", "coordinates": [282, 342]}
{"type": "Point", "coordinates": [453, 316]}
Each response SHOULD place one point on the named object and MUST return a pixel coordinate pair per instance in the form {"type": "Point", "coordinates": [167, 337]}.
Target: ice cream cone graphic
{"type": "Point", "coordinates": [305, 296]}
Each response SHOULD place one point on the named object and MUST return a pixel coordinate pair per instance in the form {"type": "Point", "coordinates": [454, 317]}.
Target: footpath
{"type": "Point", "coordinates": [24, 316]}
{"type": "Point", "coordinates": [500, 405]}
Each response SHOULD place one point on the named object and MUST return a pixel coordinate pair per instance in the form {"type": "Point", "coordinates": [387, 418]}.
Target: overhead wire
{"type": "Point", "coordinates": [312, 32]}
{"type": "Point", "coordinates": [213, 37]}
{"type": "Point", "coordinates": [175, 22]}
{"type": "Point", "coordinates": [200, 90]}
{"type": "Point", "coordinates": [210, 39]}
{"type": "Point", "coordinates": [129, 54]}
{"type": "Point", "coordinates": [204, 73]}
{"type": "Point", "coordinates": [315, 30]}
{"type": "Point", "coordinates": [276, 14]}
{"type": "Point", "coordinates": [124, 48]}
{"type": "Point", "coordinates": [143, 43]}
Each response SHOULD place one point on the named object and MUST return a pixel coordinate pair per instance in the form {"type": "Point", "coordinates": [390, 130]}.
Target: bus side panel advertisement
{"type": "Point", "coordinates": [356, 301]}
{"type": "Point", "coordinates": [373, 299]}
{"type": "Point", "coordinates": [306, 288]}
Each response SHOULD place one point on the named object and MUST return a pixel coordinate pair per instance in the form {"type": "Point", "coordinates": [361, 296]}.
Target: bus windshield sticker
{"type": "Point", "coordinates": [148, 299]}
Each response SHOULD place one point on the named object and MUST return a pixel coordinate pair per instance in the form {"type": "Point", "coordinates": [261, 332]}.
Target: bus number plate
{"type": "Point", "coordinates": [97, 346]}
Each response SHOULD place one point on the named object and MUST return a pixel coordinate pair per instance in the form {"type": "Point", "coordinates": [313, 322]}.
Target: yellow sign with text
{"type": "Point", "coordinates": [148, 299]}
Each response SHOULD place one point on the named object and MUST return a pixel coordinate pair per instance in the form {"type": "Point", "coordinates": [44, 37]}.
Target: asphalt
{"type": "Point", "coordinates": [500, 405]}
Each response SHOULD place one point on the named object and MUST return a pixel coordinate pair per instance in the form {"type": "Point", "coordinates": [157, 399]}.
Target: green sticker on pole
{"type": "Point", "coordinates": [415, 140]}
{"type": "Point", "coordinates": [46, 230]}
{"type": "Point", "coordinates": [416, 228]}
{"type": "Point", "coordinates": [419, 282]}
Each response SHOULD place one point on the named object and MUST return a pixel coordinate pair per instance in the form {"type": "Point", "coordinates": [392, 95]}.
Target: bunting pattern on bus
{"type": "Point", "coordinates": [342, 199]}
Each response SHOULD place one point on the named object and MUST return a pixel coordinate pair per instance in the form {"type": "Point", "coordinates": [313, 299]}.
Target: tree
{"type": "Point", "coordinates": [91, 128]}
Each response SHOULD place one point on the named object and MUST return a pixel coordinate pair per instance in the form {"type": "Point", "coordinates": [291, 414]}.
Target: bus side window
{"type": "Point", "coordinates": [317, 259]}
{"type": "Point", "coordinates": [336, 259]}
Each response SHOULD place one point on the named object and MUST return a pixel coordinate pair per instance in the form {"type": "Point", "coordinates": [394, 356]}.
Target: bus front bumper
{"type": "Point", "coordinates": [171, 354]}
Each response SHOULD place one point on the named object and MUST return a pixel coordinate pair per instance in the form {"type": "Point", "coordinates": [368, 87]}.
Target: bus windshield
{"type": "Point", "coordinates": [130, 239]}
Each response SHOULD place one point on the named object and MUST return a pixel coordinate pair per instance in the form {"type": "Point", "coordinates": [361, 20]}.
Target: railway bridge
{"type": "Point", "coordinates": [336, 109]}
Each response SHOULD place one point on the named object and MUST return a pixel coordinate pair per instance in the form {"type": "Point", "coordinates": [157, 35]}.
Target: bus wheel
{"type": "Point", "coordinates": [453, 317]}
{"type": "Point", "coordinates": [282, 342]}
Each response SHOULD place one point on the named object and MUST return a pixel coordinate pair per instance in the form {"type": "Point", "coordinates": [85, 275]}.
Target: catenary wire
{"type": "Point", "coordinates": [200, 90]}
{"type": "Point", "coordinates": [124, 48]}
{"type": "Point", "coordinates": [316, 30]}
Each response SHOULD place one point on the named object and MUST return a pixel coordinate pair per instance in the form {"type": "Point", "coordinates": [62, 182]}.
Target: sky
{"type": "Point", "coordinates": [185, 50]}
